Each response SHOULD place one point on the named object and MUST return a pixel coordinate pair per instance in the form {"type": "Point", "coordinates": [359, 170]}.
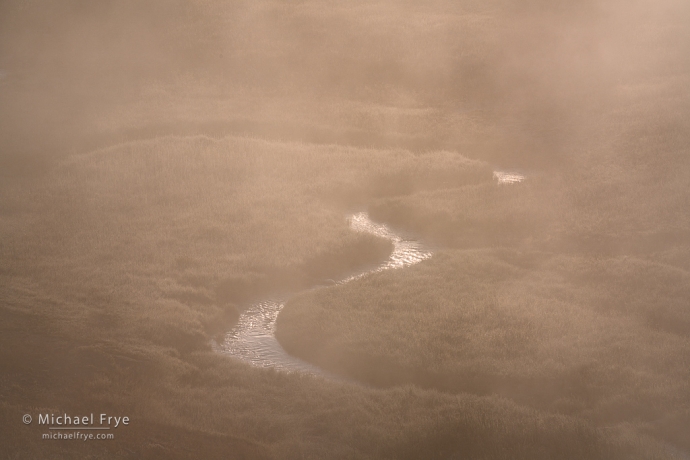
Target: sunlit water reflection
{"type": "Point", "coordinates": [253, 338]}
{"type": "Point", "coordinates": [504, 177]}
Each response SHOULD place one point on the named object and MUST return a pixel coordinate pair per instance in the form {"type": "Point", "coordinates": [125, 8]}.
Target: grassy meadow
{"type": "Point", "coordinates": [165, 164]}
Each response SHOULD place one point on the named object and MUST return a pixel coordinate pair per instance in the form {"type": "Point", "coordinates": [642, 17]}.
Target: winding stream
{"type": "Point", "coordinates": [253, 338]}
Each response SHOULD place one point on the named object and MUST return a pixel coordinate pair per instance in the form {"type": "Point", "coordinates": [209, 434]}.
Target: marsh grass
{"type": "Point", "coordinates": [567, 293]}
{"type": "Point", "coordinates": [242, 134]}
{"type": "Point", "coordinates": [122, 264]}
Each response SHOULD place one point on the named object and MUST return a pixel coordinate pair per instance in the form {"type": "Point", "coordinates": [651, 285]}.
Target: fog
{"type": "Point", "coordinates": [535, 70]}
{"type": "Point", "coordinates": [178, 186]}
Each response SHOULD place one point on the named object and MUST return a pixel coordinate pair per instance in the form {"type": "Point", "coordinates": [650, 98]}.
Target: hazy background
{"type": "Point", "coordinates": [534, 73]}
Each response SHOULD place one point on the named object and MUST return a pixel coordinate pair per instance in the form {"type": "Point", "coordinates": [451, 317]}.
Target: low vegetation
{"type": "Point", "coordinates": [567, 293]}
{"type": "Point", "coordinates": [600, 340]}
{"type": "Point", "coordinates": [165, 164]}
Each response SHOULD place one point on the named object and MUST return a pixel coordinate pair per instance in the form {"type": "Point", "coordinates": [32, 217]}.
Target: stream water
{"type": "Point", "coordinates": [504, 177]}
{"type": "Point", "coordinates": [253, 338]}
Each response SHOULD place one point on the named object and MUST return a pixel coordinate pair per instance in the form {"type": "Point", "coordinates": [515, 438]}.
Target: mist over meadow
{"type": "Point", "coordinates": [174, 173]}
